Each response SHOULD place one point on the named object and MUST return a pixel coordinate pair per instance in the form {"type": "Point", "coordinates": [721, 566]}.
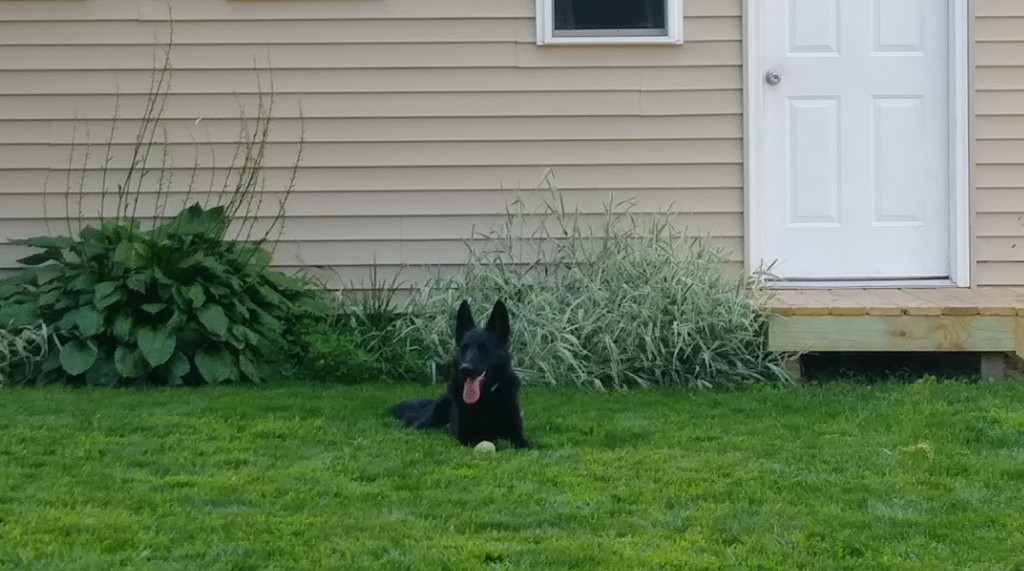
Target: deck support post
{"type": "Point", "coordinates": [993, 366]}
{"type": "Point", "coordinates": [793, 368]}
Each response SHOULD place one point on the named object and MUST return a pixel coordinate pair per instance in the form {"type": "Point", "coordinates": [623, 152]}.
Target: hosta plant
{"type": "Point", "coordinates": [174, 304]}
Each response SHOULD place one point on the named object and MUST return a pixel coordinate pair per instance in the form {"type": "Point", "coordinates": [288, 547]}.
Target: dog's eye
{"type": "Point", "coordinates": [483, 349]}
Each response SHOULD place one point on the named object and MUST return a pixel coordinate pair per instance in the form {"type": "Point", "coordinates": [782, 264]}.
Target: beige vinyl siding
{"type": "Point", "coordinates": [422, 119]}
{"type": "Point", "coordinates": [998, 152]}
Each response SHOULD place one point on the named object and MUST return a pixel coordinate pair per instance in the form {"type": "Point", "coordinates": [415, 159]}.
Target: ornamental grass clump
{"type": "Point", "coordinates": [628, 301]}
{"type": "Point", "coordinates": [22, 351]}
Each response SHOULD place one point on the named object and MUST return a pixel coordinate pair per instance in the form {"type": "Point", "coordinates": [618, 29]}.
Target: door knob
{"type": "Point", "coordinates": [773, 77]}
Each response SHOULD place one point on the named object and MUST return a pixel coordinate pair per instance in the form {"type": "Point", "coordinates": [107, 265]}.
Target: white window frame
{"type": "Point", "coordinates": [673, 29]}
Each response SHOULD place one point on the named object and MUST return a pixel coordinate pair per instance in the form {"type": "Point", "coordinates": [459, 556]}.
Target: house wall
{"type": "Point", "coordinates": [998, 153]}
{"type": "Point", "coordinates": [422, 119]}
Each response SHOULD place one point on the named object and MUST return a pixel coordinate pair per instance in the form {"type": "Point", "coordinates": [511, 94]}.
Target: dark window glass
{"type": "Point", "coordinates": [609, 14]}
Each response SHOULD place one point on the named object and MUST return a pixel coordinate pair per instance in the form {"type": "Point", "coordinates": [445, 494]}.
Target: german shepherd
{"type": "Point", "coordinates": [482, 398]}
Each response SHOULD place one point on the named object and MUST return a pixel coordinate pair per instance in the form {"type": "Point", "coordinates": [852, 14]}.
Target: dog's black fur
{"type": "Point", "coordinates": [496, 414]}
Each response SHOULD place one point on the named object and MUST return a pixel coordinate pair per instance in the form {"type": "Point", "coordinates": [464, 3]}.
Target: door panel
{"type": "Point", "coordinates": [855, 142]}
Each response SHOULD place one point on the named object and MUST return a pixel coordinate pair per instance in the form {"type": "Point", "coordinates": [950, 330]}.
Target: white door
{"type": "Point", "coordinates": [855, 139]}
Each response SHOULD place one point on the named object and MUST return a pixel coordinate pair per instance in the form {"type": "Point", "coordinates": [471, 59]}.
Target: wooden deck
{"type": "Point", "coordinates": [988, 321]}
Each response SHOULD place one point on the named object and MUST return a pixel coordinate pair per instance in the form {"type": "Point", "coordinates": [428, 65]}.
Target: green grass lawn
{"type": "Point", "coordinates": [315, 477]}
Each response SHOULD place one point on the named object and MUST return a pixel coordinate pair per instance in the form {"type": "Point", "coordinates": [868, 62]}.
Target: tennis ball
{"type": "Point", "coordinates": [484, 446]}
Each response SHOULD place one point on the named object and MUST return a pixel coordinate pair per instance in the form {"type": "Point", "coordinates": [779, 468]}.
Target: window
{"type": "Point", "coordinates": [609, 21]}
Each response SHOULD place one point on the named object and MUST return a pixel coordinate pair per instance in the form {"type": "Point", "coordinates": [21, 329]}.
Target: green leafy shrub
{"type": "Point", "coordinates": [615, 304]}
{"type": "Point", "coordinates": [176, 304]}
{"type": "Point", "coordinates": [362, 341]}
{"type": "Point", "coordinates": [181, 302]}
{"type": "Point", "coordinates": [337, 357]}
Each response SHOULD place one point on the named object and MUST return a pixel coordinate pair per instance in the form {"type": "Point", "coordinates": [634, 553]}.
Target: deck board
{"type": "Point", "coordinates": [994, 301]}
{"type": "Point", "coordinates": [986, 320]}
{"type": "Point", "coordinates": [991, 301]}
{"type": "Point", "coordinates": [949, 301]}
{"type": "Point", "coordinates": [909, 303]}
{"type": "Point", "coordinates": [959, 333]}
{"type": "Point", "coordinates": [881, 304]}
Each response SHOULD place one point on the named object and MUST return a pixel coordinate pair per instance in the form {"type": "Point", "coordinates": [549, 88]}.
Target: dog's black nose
{"type": "Point", "coordinates": [466, 371]}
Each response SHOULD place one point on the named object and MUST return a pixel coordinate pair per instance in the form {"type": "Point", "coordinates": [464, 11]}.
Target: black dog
{"type": "Point", "coordinates": [482, 400]}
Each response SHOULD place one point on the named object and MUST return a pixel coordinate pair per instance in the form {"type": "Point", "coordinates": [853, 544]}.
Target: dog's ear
{"type": "Point", "coordinates": [497, 323]}
{"type": "Point", "coordinates": [463, 321]}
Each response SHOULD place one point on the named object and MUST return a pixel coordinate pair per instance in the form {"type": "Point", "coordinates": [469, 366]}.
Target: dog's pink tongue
{"type": "Point", "coordinates": [471, 390]}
